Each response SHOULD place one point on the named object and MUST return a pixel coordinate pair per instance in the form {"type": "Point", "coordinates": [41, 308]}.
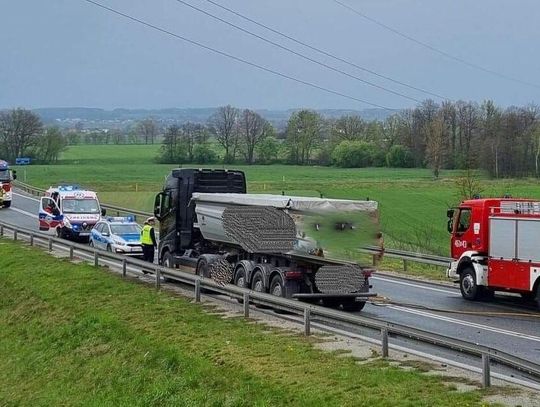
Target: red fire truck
{"type": "Point", "coordinates": [496, 247]}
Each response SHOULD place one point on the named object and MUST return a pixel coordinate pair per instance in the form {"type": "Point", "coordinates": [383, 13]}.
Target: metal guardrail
{"type": "Point", "coordinates": [308, 311]}
{"type": "Point", "coordinates": [409, 256]}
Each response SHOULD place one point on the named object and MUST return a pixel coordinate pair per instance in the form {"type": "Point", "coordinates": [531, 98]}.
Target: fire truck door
{"type": "Point", "coordinates": [463, 235]}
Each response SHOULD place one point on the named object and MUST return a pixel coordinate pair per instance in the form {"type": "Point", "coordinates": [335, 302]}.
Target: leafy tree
{"type": "Point", "coordinates": [19, 132]}
{"type": "Point", "coordinates": [173, 150]}
{"type": "Point", "coordinates": [354, 154]}
{"type": "Point", "coordinates": [203, 154]}
{"type": "Point", "coordinates": [268, 150]}
{"type": "Point", "coordinates": [304, 133]}
{"type": "Point", "coordinates": [50, 145]}
{"type": "Point", "coordinates": [399, 157]}
{"type": "Point", "coordinates": [73, 138]}
{"type": "Point", "coordinates": [193, 134]}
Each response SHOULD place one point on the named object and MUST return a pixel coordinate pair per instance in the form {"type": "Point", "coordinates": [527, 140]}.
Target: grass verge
{"type": "Point", "coordinates": [71, 334]}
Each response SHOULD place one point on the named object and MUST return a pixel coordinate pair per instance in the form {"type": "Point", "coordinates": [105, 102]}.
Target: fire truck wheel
{"type": "Point", "coordinates": [538, 296]}
{"type": "Point", "coordinates": [467, 284]}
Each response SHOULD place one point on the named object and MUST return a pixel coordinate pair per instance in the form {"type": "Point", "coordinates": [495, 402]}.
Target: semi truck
{"type": "Point", "coordinates": [6, 179]}
{"type": "Point", "coordinates": [209, 223]}
{"type": "Point", "coordinates": [495, 246]}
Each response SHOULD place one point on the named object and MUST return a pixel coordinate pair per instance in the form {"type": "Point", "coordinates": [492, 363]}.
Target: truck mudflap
{"type": "Point", "coordinates": [321, 296]}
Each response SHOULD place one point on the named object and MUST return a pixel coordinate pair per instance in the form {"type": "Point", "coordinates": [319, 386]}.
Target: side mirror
{"type": "Point", "coordinates": [449, 226]}
{"type": "Point", "coordinates": [14, 174]}
{"type": "Point", "coordinates": [157, 205]}
{"type": "Point", "coordinates": [450, 213]}
{"type": "Point", "coordinates": [103, 211]}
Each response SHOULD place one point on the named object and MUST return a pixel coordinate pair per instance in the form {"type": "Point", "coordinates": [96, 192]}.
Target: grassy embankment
{"type": "Point", "coordinates": [412, 204]}
{"type": "Point", "coordinates": [74, 335]}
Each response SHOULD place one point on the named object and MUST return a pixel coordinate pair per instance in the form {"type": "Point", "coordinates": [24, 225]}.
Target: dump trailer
{"type": "Point", "coordinates": [209, 223]}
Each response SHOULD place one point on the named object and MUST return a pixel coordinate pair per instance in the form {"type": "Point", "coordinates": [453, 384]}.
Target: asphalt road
{"type": "Point", "coordinates": [504, 324]}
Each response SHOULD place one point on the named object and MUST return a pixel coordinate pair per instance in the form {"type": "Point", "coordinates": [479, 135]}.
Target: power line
{"type": "Point", "coordinates": [434, 49]}
{"type": "Point", "coordinates": [296, 53]}
{"type": "Point", "coordinates": [238, 59]}
{"type": "Point", "coordinates": [326, 53]}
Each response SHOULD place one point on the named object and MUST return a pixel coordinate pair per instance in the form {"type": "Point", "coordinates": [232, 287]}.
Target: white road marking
{"type": "Point", "coordinates": [424, 287]}
{"type": "Point", "coordinates": [467, 323]}
{"type": "Point", "coordinates": [32, 215]}
{"type": "Point", "coordinates": [26, 197]}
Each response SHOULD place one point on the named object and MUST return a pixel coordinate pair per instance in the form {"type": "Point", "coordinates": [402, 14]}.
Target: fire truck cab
{"type": "Point", "coordinates": [6, 178]}
{"type": "Point", "coordinates": [495, 246]}
{"type": "Point", "coordinates": [70, 210]}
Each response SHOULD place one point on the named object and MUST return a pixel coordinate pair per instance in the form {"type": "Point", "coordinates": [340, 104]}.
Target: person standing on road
{"type": "Point", "coordinates": [148, 239]}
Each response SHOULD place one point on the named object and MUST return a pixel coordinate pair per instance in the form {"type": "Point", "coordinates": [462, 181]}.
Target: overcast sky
{"type": "Point", "coordinates": [67, 53]}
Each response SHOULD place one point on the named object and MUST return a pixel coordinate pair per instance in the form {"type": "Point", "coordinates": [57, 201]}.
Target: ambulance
{"type": "Point", "coordinates": [71, 211]}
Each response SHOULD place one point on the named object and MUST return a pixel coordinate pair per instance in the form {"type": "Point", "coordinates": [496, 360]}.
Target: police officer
{"type": "Point", "coordinates": [148, 239]}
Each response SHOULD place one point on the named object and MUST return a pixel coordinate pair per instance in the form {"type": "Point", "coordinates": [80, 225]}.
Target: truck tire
{"type": "Point", "coordinates": [467, 285]}
{"type": "Point", "coordinates": [353, 306]}
{"type": "Point", "coordinates": [202, 271]}
{"type": "Point", "coordinates": [277, 287]}
{"type": "Point", "coordinates": [240, 280]}
{"type": "Point", "coordinates": [257, 284]}
{"type": "Point", "coordinates": [7, 204]}
{"type": "Point", "coordinates": [168, 262]}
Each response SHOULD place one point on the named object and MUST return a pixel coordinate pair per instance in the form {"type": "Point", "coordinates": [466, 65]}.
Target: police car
{"type": "Point", "coordinates": [120, 235]}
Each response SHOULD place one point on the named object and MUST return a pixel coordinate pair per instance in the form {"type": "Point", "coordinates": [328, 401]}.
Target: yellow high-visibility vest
{"type": "Point", "coordinates": [145, 235]}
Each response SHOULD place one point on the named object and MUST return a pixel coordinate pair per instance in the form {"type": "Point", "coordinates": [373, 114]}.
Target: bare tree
{"type": "Point", "coordinates": [193, 134]}
{"type": "Point", "coordinates": [253, 129]}
{"type": "Point", "coordinates": [149, 130]}
{"type": "Point", "coordinates": [19, 131]}
{"type": "Point", "coordinates": [224, 125]}
{"type": "Point", "coordinates": [435, 144]}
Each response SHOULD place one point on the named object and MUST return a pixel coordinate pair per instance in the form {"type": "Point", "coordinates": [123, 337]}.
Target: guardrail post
{"type": "Point", "coordinates": [486, 374]}
{"type": "Point", "coordinates": [246, 305]}
{"type": "Point", "coordinates": [71, 252]}
{"type": "Point", "coordinates": [307, 321]}
{"type": "Point", "coordinates": [50, 244]}
{"type": "Point", "coordinates": [197, 290]}
{"type": "Point", "coordinates": [404, 265]}
{"type": "Point", "coordinates": [384, 342]}
{"type": "Point", "coordinates": [96, 258]}
{"type": "Point", "coordinates": [374, 260]}
{"type": "Point", "coordinates": [15, 234]}
{"type": "Point", "coordinates": [124, 267]}
{"type": "Point", "coordinates": [1, 230]}
{"type": "Point", "coordinates": [31, 239]}
{"type": "Point", "coordinates": [158, 278]}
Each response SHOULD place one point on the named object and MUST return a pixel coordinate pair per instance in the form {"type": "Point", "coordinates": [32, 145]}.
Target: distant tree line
{"type": "Point", "coordinates": [451, 135]}
{"type": "Point", "coordinates": [22, 134]}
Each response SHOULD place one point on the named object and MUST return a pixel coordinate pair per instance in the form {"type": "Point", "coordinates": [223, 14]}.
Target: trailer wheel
{"type": "Point", "coordinates": [467, 285]}
{"type": "Point", "coordinates": [257, 284]}
{"type": "Point", "coordinates": [353, 306]}
{"type": "Point", "coordinates": [240, 280]}
{"type": "Point", "coordinates": [277, 287]}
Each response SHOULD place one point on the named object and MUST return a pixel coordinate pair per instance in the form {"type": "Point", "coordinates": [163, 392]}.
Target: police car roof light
{"type": "Point", "coordinates": [129, 218]}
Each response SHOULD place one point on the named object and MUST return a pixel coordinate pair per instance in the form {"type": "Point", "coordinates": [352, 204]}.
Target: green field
{"type": "Point", "coordinates": [412, 204]}
{"type": "Point", "coordinates": [75, 335]}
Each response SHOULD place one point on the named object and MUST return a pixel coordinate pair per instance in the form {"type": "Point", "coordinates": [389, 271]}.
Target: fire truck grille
{"type": "Point", "coordinates": [260, 229]}
{"type": "Point", "coordinates": [340, 279]}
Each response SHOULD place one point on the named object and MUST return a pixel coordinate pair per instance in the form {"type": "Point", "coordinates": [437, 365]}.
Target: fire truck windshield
{"type": "Point", "coordinates": [80, 206]}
